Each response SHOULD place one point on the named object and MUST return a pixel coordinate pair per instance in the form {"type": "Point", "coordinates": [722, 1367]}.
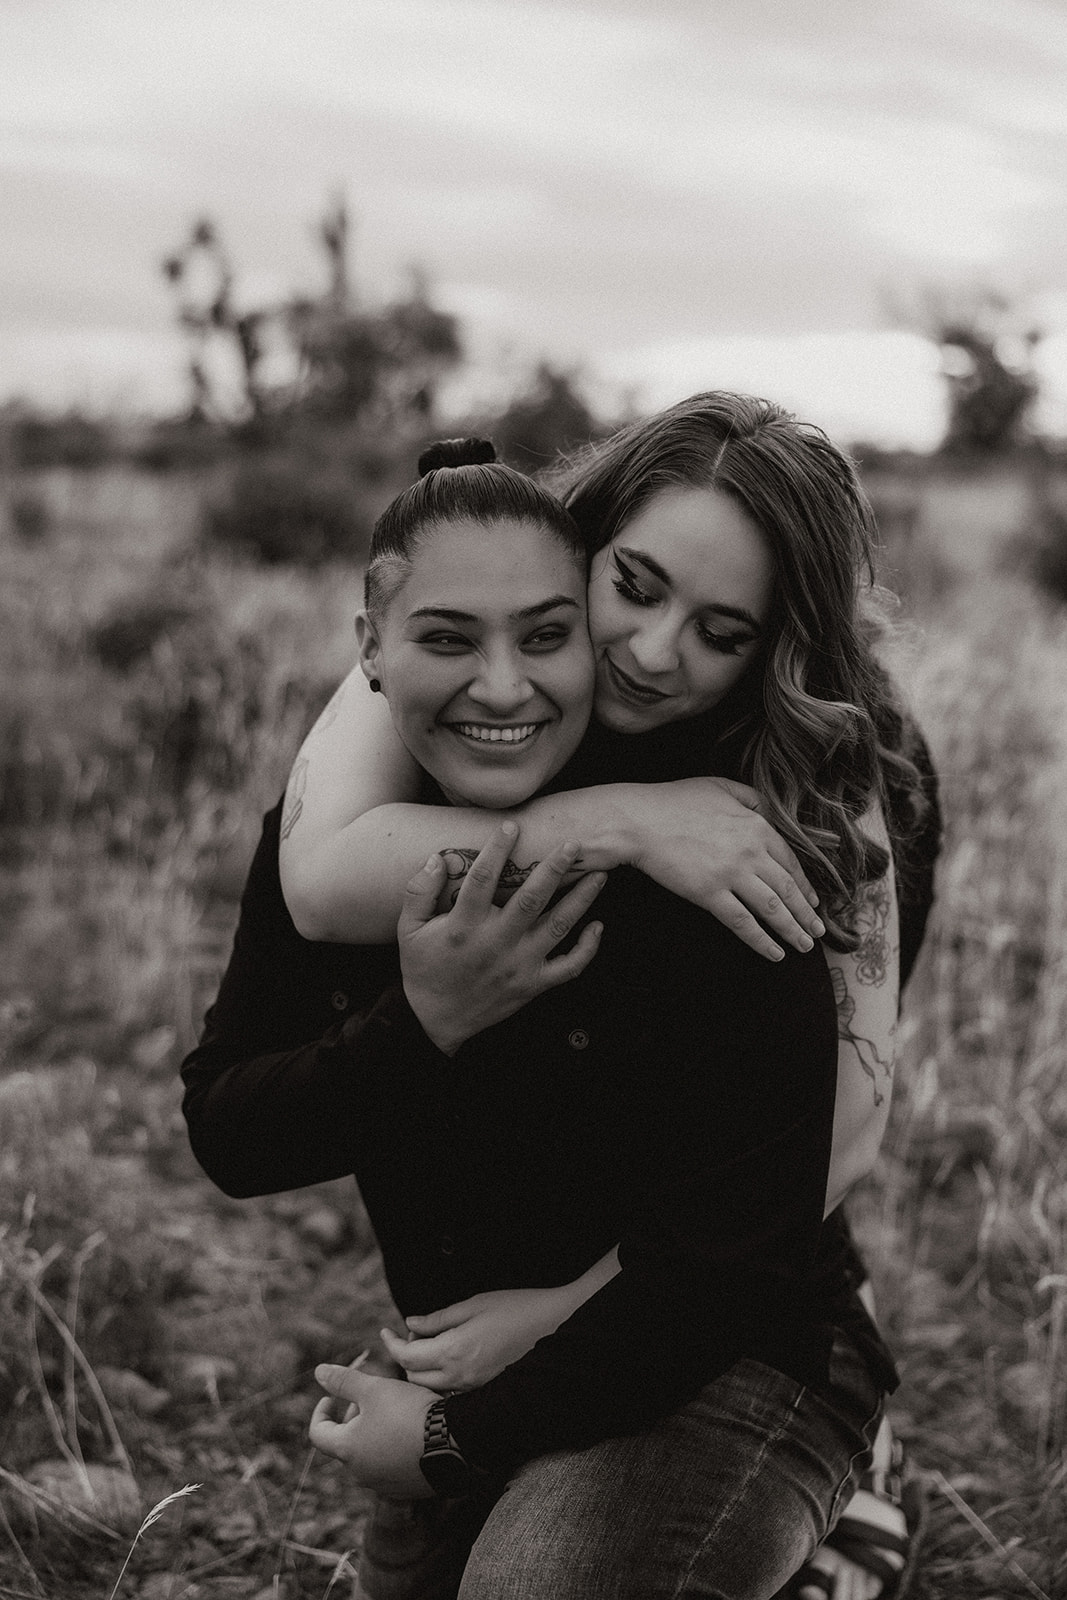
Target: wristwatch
{"type": "Point", "coordinates": [442, 1463]}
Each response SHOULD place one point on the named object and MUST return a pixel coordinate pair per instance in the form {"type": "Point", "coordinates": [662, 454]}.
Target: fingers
{"type": "Point", "coordinates": [785, 858]}
{"type": "Point", "coordinates": [480, 883]}
{"type": "Point", "coordinates": [775, 899]}
{"type": "Point", "coordinates": [733, 915]}
{"type": "Point", "coordinates": [343, 1383]}
{"type": "Point", "coordinates": [439, 1321]}
{"type": "Point", "coordinates": [415, 1355]}
{"type": "Point", "coordinates": [561, 969]}
{"type": "Point", "coordinates": [420, 897]}
{"type": "Point", "coordinates": [527, 904]}
{"type": "Point", "coordinates": [571, 908]}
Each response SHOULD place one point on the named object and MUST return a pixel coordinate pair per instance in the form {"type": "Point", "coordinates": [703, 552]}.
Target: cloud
{"type": "Point", "coordinates": [586, 177]}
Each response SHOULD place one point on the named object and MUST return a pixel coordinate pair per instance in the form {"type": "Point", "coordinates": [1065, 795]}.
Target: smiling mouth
{"type": "Point", "coordinates": [630, 689]}
{"type": "Point", "coordinates": [511, 735]}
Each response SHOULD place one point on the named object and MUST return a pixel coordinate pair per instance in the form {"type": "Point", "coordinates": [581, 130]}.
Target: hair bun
{"type": "Point", "coordinates": [456, 453]}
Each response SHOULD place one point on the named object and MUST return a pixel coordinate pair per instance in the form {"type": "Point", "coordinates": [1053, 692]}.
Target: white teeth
{"type": "Point", "coordinates": [478, 730]}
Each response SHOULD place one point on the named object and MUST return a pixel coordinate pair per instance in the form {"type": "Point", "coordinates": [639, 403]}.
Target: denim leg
{"type": "Point", "coordinates": [725, 1498]}
{"type": "Point", "coordinates": [417, 1549]}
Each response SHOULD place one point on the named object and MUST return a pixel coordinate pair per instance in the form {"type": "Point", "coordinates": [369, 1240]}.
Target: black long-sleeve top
{"type": "Point", "coordinates": [676, 1099]}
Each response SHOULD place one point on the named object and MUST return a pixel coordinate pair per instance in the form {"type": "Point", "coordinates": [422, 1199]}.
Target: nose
{"type": "Point", "coordinates": [654, 646]}
{"type": "Point", "coordinates": [502, 685]}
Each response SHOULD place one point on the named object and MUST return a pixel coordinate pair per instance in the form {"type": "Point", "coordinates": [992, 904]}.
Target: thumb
{"type": "Point", "coordinates": [740, 791]}
{"type": "Point", "coordinates": [420, 897]}
{"type": "Point", "coordinates": [344, 1383]}
{"type": "Point", "coordinates": [438, 1321]}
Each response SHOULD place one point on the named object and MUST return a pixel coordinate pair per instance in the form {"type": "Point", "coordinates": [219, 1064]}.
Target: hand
{"type": "Point", "coordinates": [704, 839]}
{"type": "Point", "coordinates": [468, 1343]}
{"type": "Point", "coordinates": [479, 963]}
{"type": "Point", "coordinates": [380, 1436]}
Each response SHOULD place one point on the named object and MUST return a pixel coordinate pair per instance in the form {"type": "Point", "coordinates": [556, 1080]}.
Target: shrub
{"type": "Point", "coordinates": [280, 511]}
{"type": "Point", "coordinates": [30, 518]}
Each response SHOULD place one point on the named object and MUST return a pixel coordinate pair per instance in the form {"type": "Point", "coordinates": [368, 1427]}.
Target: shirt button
{"type": "Point", "coordinates": [578, 1039]}
{"type": "Point", "coordinates": [339, 1000]}
{"type": "Point", "coordinates": [447, 1245]}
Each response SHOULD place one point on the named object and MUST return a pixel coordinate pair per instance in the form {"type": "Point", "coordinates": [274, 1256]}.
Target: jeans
{"type": "Point", "coordinates": [726, 1497]}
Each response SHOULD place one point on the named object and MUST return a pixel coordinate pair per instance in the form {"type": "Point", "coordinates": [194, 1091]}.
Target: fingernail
{"type": "Point", "coordinates": [804, 942]}
{"type": "Point", "coordinates": [819, 927]}
{"type": "Point", "coordinates": [570, 850]}
{"type": "Point", "coordinates": [510, 828]}
{"type": "Point", "coordinates": [432, 863]}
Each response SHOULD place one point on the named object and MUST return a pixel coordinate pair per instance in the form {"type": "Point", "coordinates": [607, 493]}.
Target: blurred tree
{"type": "Point", "coordinates": [351, 364]}
{"type": "Point", "coordinates": [987, 346]}
{"type": "Point", "coordinates": [551, 417]}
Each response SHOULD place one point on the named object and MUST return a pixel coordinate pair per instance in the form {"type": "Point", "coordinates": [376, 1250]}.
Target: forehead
{"type": "Point", "coordinates": [477, 565]}
{"type": "Point", "coordinates": [709, 548]}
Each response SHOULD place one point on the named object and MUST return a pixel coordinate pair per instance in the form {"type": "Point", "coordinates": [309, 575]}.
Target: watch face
{"type": "Point", "coordinates": [446, 1472]}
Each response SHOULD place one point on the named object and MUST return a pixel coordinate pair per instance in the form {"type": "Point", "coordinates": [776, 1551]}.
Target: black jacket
{"type": "Point", "coordinates": [676, 1099]}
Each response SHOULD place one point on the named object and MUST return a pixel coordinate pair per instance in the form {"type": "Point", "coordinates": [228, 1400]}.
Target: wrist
{"type": "Point", "coordinates": [628, 821]}
{"type": "Point", "coordinates": [442, 1463]}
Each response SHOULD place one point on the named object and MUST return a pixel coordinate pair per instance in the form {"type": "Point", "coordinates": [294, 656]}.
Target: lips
{"type": "Point", "coordinates": [630, 689]}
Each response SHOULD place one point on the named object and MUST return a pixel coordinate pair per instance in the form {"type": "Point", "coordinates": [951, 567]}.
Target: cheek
{"type": "Point", "coordinates": [718, 677]}
{"type": "Point", "coordinates": [605, 619]}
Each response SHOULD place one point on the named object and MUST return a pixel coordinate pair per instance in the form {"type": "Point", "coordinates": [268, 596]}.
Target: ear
{"type": "Point", "coordinates": [369, 645]}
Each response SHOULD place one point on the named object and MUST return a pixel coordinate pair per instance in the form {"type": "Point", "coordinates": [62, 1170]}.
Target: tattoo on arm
{"type": "Point", "coordinates": [872, 953]}
{"type": "Point", "coordinates": [873, 1064]}
{"type": "Point", "coordinates": [458, 862]}
{"type": "Point", "coordinates": [294, 796]}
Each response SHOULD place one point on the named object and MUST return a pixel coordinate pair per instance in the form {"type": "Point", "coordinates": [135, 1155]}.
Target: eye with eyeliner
{"type": "Point", "coordinates": [626, 584]}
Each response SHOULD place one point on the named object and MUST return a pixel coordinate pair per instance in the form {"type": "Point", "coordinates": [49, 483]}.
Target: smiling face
{"type": "Point", "coordinates": [679, 603]}
{"type": "Point", "coordinates": [483, 654]}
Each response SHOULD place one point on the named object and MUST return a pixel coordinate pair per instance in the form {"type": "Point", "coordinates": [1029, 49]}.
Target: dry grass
{"type": "Point", "coordinates": [130, 805]}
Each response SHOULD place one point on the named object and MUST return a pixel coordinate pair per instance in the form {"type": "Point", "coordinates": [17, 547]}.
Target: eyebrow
{"type": "Point", "coordinates": [737, 613]}
{"type": "Point", "coordinates": [526, 614]}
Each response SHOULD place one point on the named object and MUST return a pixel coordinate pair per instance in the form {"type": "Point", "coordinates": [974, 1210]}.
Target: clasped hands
{"type": "Point", "coordinates": [379, 1432]}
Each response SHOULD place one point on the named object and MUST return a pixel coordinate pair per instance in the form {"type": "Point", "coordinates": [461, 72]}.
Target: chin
{"type": "Point", "coordinates": [492, 794]}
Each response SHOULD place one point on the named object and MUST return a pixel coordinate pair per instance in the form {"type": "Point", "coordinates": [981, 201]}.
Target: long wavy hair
{"type": "Point", "coordinates": [817, 718]}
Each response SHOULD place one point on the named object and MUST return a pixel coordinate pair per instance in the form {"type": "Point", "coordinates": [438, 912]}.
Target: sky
{"type": "Point", "coordinates": [665, 196]}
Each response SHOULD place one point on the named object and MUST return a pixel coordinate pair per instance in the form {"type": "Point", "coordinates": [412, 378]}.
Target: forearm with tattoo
{"type": "Point", "coordinates": [294, 793]}
{"type": "Point", "coordinates": [458, 860]}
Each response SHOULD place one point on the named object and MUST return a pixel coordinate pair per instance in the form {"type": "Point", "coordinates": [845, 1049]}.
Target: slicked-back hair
{"type": "Point", "coordinates": [821, 722]}
{"type": "Point", "coordinates": [461, 482]}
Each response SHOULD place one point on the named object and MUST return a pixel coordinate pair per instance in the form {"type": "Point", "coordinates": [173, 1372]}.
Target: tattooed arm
{"type": "Point", "coordinates": [352, 836]}
{"type": "Point", "coordinates": [867, 990]}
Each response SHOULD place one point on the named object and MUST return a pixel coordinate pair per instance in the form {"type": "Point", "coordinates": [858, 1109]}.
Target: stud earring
{"type": "Point", "coordinates": [375, 685]}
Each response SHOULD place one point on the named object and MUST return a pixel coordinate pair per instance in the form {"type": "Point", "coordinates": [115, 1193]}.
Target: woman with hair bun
{"type": "Point", "coordinates": [733, 1311]}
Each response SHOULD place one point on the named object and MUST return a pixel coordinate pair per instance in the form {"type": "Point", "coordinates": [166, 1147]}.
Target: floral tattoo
{"type": "Point", "coordinates": [872, 953]}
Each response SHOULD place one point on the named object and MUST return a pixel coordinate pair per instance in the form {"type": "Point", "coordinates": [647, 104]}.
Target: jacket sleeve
{"type": "Point", "coordinates": [716, 1261]}
{"type": "Point", "coordinates": [280, 1086]}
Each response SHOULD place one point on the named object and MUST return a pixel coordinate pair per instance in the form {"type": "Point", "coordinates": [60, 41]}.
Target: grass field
{"type": "Point", "coordinates": [155, 1335]}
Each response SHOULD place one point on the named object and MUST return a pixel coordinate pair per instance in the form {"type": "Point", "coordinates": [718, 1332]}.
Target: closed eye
{"type": "Point", "coordinates": [626, 584]}
{"type": "Point", "coordinates": [726, 644]}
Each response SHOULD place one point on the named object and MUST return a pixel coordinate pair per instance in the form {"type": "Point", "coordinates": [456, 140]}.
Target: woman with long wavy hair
{"type": "Point", "coordinates": [727, 612]}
